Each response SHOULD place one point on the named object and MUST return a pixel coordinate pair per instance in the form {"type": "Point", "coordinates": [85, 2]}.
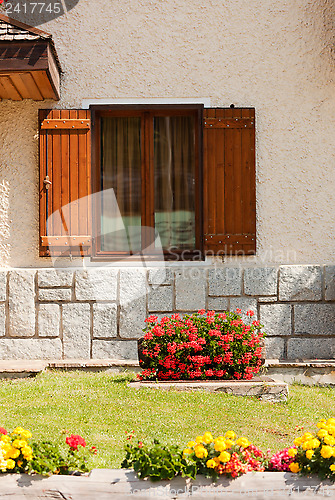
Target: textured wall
{"type": "Point", "coordinates": [99, 313]}
{"type": "Point", "coordinates": [276, 55]}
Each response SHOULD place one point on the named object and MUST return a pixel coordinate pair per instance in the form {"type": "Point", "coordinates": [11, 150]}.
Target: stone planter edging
{"type": "Point", "coordinates": [263, 387]}
{"type": "Point", "coordinates": [123, 484]}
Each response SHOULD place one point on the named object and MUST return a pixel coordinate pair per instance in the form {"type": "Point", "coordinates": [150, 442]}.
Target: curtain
{"type": "Point", "coordinates": [121, 171]}
{"type": "Point", "coordinates": [174, 166]}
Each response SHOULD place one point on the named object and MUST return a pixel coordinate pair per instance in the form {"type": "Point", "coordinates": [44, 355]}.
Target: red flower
{"type": "Point", "coordinates": [93, 450]}
{"type": "Point", "coordinates": [2, 430]}
{"type": "Point", "coordinates": [74, 441]}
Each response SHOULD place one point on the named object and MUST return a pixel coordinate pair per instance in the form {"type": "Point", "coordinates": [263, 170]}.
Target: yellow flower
{"type": "Point", "coordinates": [229, 443]}
{"type": "Point", "coordinates": [307, 436]}
{"type": "Point", "coordinates": [19, 443]}
{"type": "Point", "coordinates": [200, 451]}
{"type": "Point", "coordinates": [297, 441]}
{"type": "Point", "coordinates": [219, 444]}
{"type": "Point", "coordinates": [216, 460]}
{"type": "Point", "coordinates": [191, 444]}
{"type": "Point", "coordinates": [187, 451]}
{"type": "Point", "coordinates": [207, 438]}
{"type": "Point", "coordinates": [198, 439]}
{"type": "Point", "coordinates": [321, 424]}
{"type": "Point", "coordinates": [18, 430]}
{"type": "Point", "coordinates": [13, 453]}
{"type": "Point", "coordinates": [332, 467]}
{"type": "Point", "coordinates": [5, 439]}
{"type": "Point", "coordinates": [315, 443]}
{"type": "Point", "coordinates": [311, 444]}
{"type": "Point", "coordinates": [224, 457]}
{"type": "Point", "coordinates": [329, 440]}
{"type": "Point", "coordinates": [10, 464]}
{"type": "Point", "coordinates": [331, 421]}
{"type": "Point", "coordinates": [331, 430]}
{"type": "Point", "coordinates": [327, 451]}
{"type": "Point", "coordinates": [243, 441]}
{"type": "Point", "coordinates": [322, 433]}
{"type": "Point", "coordinates": [211, 464]}
{"type": "Point", "coordinates": [292, 452]}
{"type": "Point", "coordinates": [26, 434]}
{"type": "Point", "coordinates": [230, 435]}
{"type": "Point", "coordinates": [309, 454]}
{"type": "Point", "coordinates": [27, 452]}
{"type": "Point", "coordinates": [294, 467]}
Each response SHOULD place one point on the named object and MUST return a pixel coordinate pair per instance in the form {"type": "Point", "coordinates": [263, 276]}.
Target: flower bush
{"type": "Point", "coordinates": [224, 455]}
{"type": "Point", "coordinates": [203, 345]}
{"type": "Point", "coordinates": [15, 450]}
{"type": "Point", "coordinates": [315, 453]}
{"type": "Point", "coordinates": [19, 454]}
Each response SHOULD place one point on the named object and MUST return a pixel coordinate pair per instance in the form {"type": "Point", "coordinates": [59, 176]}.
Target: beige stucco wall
{"type": "Point", "coordinates": [275, 55]}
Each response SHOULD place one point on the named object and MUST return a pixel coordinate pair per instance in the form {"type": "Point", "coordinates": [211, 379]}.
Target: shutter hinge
{"type": "Point", "coordinates": [47, 182]}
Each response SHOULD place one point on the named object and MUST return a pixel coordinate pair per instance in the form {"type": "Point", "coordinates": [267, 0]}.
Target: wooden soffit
{"type": "Point", "coordinates": [29, 66]}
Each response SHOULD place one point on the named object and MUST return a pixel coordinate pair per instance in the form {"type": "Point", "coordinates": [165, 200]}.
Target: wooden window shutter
{"type": "Point", "coordinates": [229, 181]}
{"type": "Point", "coordinates": [65, 182]}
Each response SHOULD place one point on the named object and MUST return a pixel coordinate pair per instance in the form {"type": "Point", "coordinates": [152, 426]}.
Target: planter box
{"type": "Point", "coordinates": [263, 387]}
{"type": "Point", "coordinates": [122, 484]}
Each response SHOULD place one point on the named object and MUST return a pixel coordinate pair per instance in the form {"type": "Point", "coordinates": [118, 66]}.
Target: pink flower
{"type": "Point", "coordinates": [2, 430]}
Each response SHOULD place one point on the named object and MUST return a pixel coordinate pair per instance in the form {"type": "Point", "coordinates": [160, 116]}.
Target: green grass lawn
{"type": "Point", "coordinates": [102, 408]}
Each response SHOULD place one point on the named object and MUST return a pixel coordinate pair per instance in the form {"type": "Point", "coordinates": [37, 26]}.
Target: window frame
{"type": "Point", "coordinates": [146, 112]}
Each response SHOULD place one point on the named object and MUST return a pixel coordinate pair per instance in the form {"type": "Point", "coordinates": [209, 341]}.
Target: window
{"type": "Point", "coordinates": [185, 174]}
{"type": "Point", "coordinates": [149, 160]}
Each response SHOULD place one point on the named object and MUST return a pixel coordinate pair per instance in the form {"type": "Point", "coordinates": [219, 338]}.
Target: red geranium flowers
{"type": "Point", "coordinates": [204, 345]}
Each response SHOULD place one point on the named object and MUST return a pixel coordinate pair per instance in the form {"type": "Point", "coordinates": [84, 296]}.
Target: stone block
{"type": "Point", "coordinates": [160, 299]}
{"type": "Point", "coordinates": [274, 348]}
{"type": "Point", "coordinates": [330, 282]}
{"type": "Point", "coordinates": [218, 304]}
{"type": "Point", "coordinates": [22, 303]}
{"type": "Point", "coordinates": [55, 294]}
{"type": "Point", "coordinates": [104, 320]}
{"type": "Point", "coordinates": [225, 281]}
{"type": "Point", "coordinates": [48, 320]}
{"type": "Point", "coordinates": [276, 319]}
{"type": "Point", "coordinates": [260, 281]}
{"type": "Point", "coordinates": [3, 285]}
{"type": "Point", "coordinates": [96, 284]}
{"type": "Point", "coordinates": [30, 349]}
{"type": "Point", "coordinates": [160, 276]}
{"type": "Point", "coordinates": [300, 283]}
{"type": "Point", "coordinates": [51, 278]}
{"type": "Point", "coordinates": [76, 331]}
{"type": "Point", "coordinates": [245, 304]}
{"type": "Point", "coordinates": [114, 349]}
{"type": "Point", "coordinates": [311, 348]}
{"type": "Point", "coordinates": [314, 319]}
{"type": "Point", "coordinates": [191, 287]}
{"type": "Point", "coordinates": [2, 320]}
{"type": "Point", "coordinates": [133, 302]}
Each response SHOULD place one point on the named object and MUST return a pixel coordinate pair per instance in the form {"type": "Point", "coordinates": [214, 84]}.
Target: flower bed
{"type": "Point", "coordinates": [201, 346]}
{"type": "Point", "coordinates": [230, 456]}
{"type": "Point", "coordinates": [19, 453]}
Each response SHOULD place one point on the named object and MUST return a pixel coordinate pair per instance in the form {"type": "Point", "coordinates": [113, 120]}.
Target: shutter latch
{"type": "Point", "coordinates": [47, 182]}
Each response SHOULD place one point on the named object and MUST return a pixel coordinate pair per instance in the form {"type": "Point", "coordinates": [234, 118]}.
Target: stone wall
{"type": "Point", "coordinates": [98, 313]}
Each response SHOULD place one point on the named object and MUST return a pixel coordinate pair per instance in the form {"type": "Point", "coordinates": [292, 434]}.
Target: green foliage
{"type": "Point", "coordinates": [157, 462]}
{"type": "Point", "coordinates": [49, 458]}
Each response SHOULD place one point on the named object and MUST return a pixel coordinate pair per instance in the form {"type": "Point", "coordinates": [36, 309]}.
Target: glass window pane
{"type": "Point", "coordinates": [121, 171]}
{"type": "Point", "coordinates": [174, 166]}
